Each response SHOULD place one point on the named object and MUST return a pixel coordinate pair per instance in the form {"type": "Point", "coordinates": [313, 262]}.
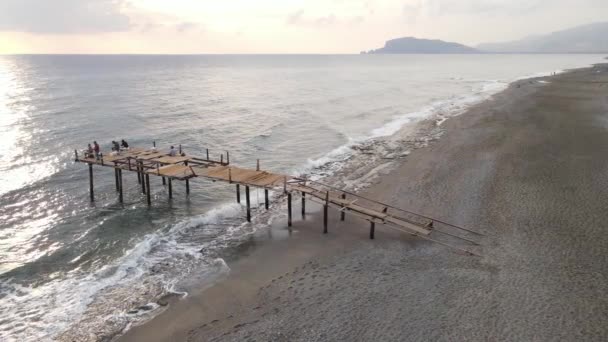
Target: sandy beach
{"type": "Point", "coordinates": [527, 168]}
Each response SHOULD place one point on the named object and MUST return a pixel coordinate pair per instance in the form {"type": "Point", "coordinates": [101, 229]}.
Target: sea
{"type": "Point", "coordinates": [81, 271]}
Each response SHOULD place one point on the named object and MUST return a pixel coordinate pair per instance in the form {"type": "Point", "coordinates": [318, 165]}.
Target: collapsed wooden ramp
{"type": "Point", "coordinates": [182, 167]}
{"type": "Point", "coordinates": [392, 217]}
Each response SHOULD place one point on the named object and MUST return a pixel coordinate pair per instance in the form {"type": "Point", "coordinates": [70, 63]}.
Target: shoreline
{"type": "Point", "coordinates": [249, 303]}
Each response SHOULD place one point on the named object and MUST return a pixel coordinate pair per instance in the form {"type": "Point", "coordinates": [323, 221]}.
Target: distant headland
{"type": "Point", "coordinates": [415, 45]}
{"type": "Point", "coordinates": [581, 39]}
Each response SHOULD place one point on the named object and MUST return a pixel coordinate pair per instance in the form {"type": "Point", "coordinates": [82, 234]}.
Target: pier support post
{"type": "Point", "coordinates": [187, 181]}
{"type": "Point", "coordinates": [149, 199]}
{"type": "Point", "coordinates": [325, 207]}
{"type": "Point", "coordinates": [372, 229]}
{"type": "Point", "coordinates": [266, 201]}
{"type": "Point", "coordinates": [343, 212]}
{"type": "Point", "coordinates": [303, 204]}
{"type": "Point", "coordinates": [144, 178]}
{"type": "Point", "coordinates": [164, 181]}
{"type": "Point", "coordinates": [207, 154]}
{"type": "Point", "coordinates": [289, 209]}
{"type": "Point", "coordinates": [248, 203]}
{"type": "Point", "coordinates": [170, 189]}
{"type": "Point", "coordinates": [92, 192]}
{"type": "Point", "coordinates": [116, 179]}
{"type": "Point", "coordinates": [120, 192]}
{"type": "Point", "coordinates": [324, 219]}
{"type": "Point", "coordinates": [238, 193]}
{"type": "Point", "coordinates": [139, 180]}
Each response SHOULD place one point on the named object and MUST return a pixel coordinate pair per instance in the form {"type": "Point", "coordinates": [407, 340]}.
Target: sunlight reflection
{"type": "Point", "coordinates": [18, 164]}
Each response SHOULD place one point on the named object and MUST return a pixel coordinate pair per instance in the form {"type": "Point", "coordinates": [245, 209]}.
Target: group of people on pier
{"type": "Point", "coordinates": [95, 151]}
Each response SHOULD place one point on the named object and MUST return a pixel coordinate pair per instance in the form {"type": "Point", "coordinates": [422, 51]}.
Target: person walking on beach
{"type": "Point", "coordinates": [96, 149]}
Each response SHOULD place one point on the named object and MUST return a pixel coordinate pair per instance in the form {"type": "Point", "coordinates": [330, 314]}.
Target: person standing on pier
{"type": "Point", "coordinates": [96, 149]}
{"type": "Point", "coordinates": [124, 144]}
{"type": "Point", "coordinates": [90, 153]}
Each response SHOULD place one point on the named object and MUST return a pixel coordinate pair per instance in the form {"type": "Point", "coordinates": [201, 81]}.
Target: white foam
{"type": "Point", "coordinates": [58, 304]}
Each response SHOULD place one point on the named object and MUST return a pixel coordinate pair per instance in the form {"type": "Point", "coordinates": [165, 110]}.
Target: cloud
{"type": "Point", "coordinates": [298, 18]}
{"type": "Point", "coordinates": [186, 26]}
{"type": "Point", "coordinates": [63, 16]}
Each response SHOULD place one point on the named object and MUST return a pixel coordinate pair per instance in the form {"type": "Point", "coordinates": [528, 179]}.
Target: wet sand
{"type": "Point", "coordinates": [528, 168]}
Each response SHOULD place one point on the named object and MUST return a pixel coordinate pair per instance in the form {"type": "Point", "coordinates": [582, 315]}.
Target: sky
{"type": "Point", "coordinates": [274, 26]}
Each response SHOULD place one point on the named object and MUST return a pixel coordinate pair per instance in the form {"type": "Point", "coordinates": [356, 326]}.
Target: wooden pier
{"type": "Point", "coordinates": [151, 162]}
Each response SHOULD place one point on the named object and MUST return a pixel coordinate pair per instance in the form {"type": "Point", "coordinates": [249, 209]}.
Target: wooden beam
{"type": "Point", "coordinates": [248, 203]}
{"type": "Point", "coordinates": [303, 204]}
{"type": "Point", "coordinates": [343, 212]}
{"type": "Point", "coordinates": [325, 207]}
{"type": "Point", "coordinates": [170, 189]}
{"type": "Point", "coordinates": [289, 209]}
{"type": "Point", "coordinates": [120, 188]}
{"type": "Point", "coordinates": [148, 195]}
{"type": "Point", "coordinates": [144, 178]}
{"type": "Point", "coordinates": [372, 229]}
{"type": "Point", "coordinates": [91, 191]}
{"type": "Point", "coordinates": [116, 178]}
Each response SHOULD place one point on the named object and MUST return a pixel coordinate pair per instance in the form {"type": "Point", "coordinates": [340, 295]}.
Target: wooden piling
{"type": "Point", "coordinates": [343, 212]}
{"type": "Point", "coordinates": [170, 189]}
{"type": "Point", "coordinates": [164, 181]}
{"type": "Point", "coordinates": [148, 195]}
{"type": "Point", "coordinates": [222, 159]}
{"type": "Point", "coordinates": [229, 176]}
{"type": "Point", "coordinates": [227, 157]}
{"type": "Point", "coordinates": [101, 157]}
{"type": "Point", "coordinates": [266, 201]}
{"type": "Point", "coordinates": [238, 193]}
{"type": "Point", "coordinates": [120, 191]}
{"type": "Point", "coordinates": [180, 149]}
{"type": "Point", "coordinates": [144, 178]}
{"type": "Point", "coordinates": [207, 154]}
{"type": "Point", "coordinates": [289, 209]}
{"type": "Point", "coordinates": [257, 168]}
{"type": "Point", "coordinates": [325, 208]}
{"type": "Point", "coordinates": [129, 163]}
{"type": "Point", "coordinates": [116, 179]}
{"type": "Point", "coordinates": [372, 229]}
{"type": "Point", "coordinates": [154, 143]}
{"type": "Point", "coordinates": [248, 203]}
{"type": "Point", "coordinates": [303, 204]}
{"type": "Point", "coordinates": [92, 193]}
{"type": "Point", "coordinates": [76, 155]}
{"type": "Point", "coordinates": [187, 181]}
